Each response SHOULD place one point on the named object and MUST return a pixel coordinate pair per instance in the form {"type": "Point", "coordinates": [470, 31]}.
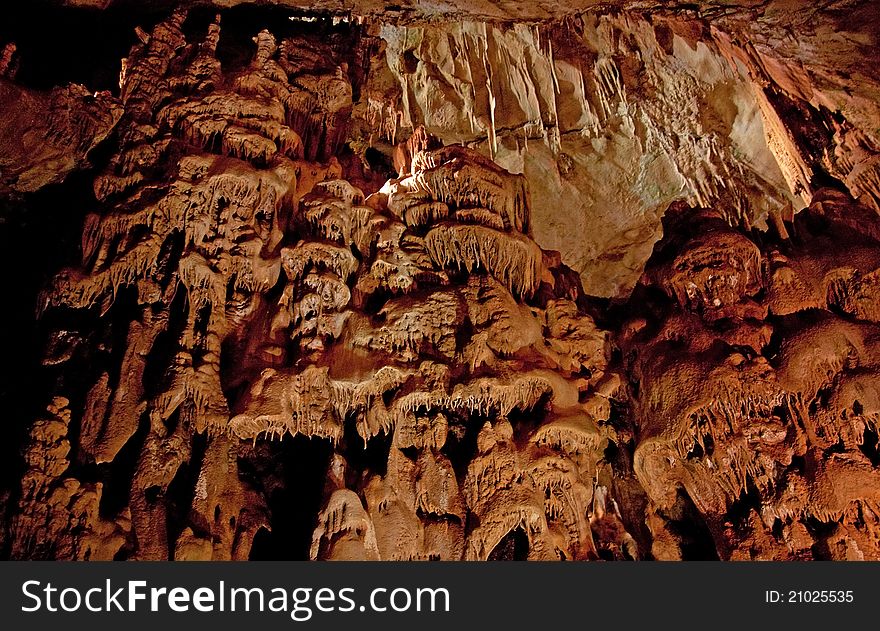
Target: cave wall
{"type": "Point", "coordinates": [596, 287]}
{"type": "Point", "coordinates": [598, 112]}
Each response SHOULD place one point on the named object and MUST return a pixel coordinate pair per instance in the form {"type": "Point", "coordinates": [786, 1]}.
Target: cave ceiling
{"type": "Point", "coordinates": [442, 280]}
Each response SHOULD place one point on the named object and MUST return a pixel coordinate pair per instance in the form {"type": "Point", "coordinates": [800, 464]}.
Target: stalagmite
{"type": "Point", "coordinates": [574, 284]}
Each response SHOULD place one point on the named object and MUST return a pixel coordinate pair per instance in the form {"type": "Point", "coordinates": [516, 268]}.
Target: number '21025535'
{"type": "Point", "coordinates": [809, 596]}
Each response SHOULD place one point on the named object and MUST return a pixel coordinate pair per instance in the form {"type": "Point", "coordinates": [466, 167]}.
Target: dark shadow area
{"type": "Point", "coordinates": [39, 234]}
{"type": "Point", "coordinates": [514, 546]}
{"type": "Point", "coordinates": [291, 473]}
{"type": "Point", "coordinates": [57, 45]}
{"type": "Point", "coordinates": [697, 543]}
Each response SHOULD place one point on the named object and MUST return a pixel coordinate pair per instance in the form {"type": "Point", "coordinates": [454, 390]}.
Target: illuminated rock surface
{"type": "Point", "coordinates": [530, 283]}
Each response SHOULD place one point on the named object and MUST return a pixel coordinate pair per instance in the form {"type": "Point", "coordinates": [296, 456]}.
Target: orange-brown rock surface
{"type": "Point", "coordinates": [754, 367]}
{"type": "Point", "coordinates": [336, 293]}
{"type": "Point", "coordinates": [60, 128]}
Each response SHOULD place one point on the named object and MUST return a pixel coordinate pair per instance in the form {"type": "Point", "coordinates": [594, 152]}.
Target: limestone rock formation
{"type": "Point", "coordinates": [45, 136]}
{"type": "Point", "coordinates": [584, 111]}
{"type": "Point", "coordinates": [564, 283]}
{"type": "Point", "coordinates": [417, 318]}
{"type": "Point", "coordinates": [755, 365]}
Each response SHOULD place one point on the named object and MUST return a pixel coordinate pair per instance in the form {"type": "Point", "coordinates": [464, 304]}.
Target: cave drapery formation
{"type": "Point", "coordinates": [574, 283]}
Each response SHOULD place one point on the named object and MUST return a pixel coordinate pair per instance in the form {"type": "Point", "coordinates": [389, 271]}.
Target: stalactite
{"type": "Point", "coordinates": [755, 413]}
{"type": "Point", "coordinates": [263, 350]}
{"type": "Point", "coordinates": [514, 260]}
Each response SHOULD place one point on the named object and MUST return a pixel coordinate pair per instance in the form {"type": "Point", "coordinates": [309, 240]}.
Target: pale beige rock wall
{"type": "Point", "coordinates": [608, 124]}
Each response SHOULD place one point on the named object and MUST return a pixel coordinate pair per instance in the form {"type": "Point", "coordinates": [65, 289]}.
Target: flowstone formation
{"type": "Point", "coordinates": [753, 362]}
{"type": "Point", "coordinates": [235, 291]}
{"type": "Point", "coordinates": [600, 286]}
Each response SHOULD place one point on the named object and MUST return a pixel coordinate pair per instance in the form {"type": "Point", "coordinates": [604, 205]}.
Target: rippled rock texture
{"type": "Point", "coordinates": [604, 287]}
